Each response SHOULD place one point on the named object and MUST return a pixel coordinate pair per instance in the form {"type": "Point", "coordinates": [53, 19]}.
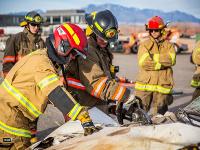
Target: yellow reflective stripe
{"type": "Point", "coordinates": [195, 83]}
{"type": "Point", "coordinates": [48, 80]}
{"type": "Point", "coordinates": [142, 59]}
{"type": "Point", "coordinates": [29, 18]}
{"type": "Point", "coordinates": [75, 111]}
{"type": "Point", "coordinates": [198, 49]}
{"type": "Point", "coordinates": [15, 131]}
{"type": "Point", "coordinates": [157, 66]}
{"type": "Point", "coordinates": [152, 88]}
{"type": "Point", "coordinates": [76, 39]}
{"type": "Point", "coordinates": [94, 14]}
{"type": "Point", "coordinates": [173, 57]}
{"type": "Point", "coordinates": [156, 57]}
{"type": "Point", "coordinates": [98, 26]}
{"type": "Point", "coordinates": [69, 29]}
{"type": "Point", "coordinates": [21, 98]}
{"type": "Point", "coordinates": [72, 33]}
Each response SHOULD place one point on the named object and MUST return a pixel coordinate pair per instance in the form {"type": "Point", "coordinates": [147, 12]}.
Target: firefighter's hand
{"type": "Point", "coordinates": [123, 107]}
{"type": "Point", "coordinates": [196, 77]}
{"type": "Point", "coordinates": [89, 128]}
{"type": "Point", "coordinates": [87, 123]}
{"type": "Point", "coordinates": [149, 65]}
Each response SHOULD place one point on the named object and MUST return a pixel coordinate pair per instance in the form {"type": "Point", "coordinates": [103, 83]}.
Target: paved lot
{"type": "Point", "coordinates": [128, 68]}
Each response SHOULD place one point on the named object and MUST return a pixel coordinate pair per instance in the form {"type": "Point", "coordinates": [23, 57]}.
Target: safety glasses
{"type": "Point", "coordinates": [154, 30]}
{"type": "Point", "coordinates": [34, 25]}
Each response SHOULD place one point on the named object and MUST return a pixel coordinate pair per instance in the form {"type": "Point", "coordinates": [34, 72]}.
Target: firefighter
{"type": "Point", "coordinates": [25, 42]}
{"type": "Point", "coordinates": [94, 81]}
{"type": "Point", "coordinates": [156, 56]}
{"type": "Point", "coordinates": [196, 77]}
{"type": "Point", "coordinates": [34, 81]}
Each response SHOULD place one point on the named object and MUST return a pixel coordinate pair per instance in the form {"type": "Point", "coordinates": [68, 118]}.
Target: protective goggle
{"type": "Point", "coordinates": [110, 33]}
{"type": "Point", "coordinates": [37, 19]}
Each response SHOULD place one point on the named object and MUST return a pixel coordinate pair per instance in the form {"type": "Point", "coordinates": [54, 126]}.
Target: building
{"type": "Point", "coordinates": [10, 20]}
{"type": "Point", "coordinates": [60, 16]}
{"type": "Point", "coordinates": [52, 17]}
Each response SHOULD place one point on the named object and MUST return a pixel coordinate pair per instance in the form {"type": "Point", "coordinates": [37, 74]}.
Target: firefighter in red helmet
{"type": "Point", "coordinates": [156, 56]}
{"type": "Point", "coordinates": [34, 81]}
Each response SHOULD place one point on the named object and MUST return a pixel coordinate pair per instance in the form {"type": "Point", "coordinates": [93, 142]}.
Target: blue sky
{"type": "Point", "coordinates": [188, 6]}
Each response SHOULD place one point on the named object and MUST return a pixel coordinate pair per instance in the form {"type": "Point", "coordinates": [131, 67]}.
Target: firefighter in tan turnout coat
{"type": "Point", "coordinates": [196, 77]}
{"type": "Point", "coordinates": [23, 43]}
{"type": "Point", "coordinates": [156, 56]}
{"type": "Point", "coordinates": [95, 80]}
{"type": "Point", "coordinates": [33, 81]}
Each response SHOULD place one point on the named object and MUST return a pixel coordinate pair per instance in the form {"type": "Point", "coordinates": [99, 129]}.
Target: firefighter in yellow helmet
{"type": "Point", "coordinates": [196, 77]}
{"type": "Point", "coordinates": [23, 43]}
{"type": "Point", "coordinates": [94, 82]}
{"type": "Point", "coordinates": [156, 56]}
{"type": "Point", "coordinates": [34, 81]}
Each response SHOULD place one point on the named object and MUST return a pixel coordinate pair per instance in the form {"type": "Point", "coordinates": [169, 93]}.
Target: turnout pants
{"type": "Point", "coordinates": [154, 102]}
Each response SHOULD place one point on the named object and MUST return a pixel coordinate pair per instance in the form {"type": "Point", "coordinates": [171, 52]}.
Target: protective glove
{"type": "Point", "coordinates": [131, 110]}
{"type": "Point", "coordinates": [86, 122]}
{"type": "Point", "coordinates": [123, 107]}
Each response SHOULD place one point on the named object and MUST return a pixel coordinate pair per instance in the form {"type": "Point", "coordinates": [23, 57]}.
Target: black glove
{"type": "Point", "coordinates": [132, 111]}
{"type": "Point", "coordinates": [123, 107]}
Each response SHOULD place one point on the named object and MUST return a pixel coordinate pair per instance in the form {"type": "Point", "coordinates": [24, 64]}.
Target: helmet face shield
{"type": "Point", "coordinates": [75, 53]}
{"type": "Point", "coordinates": [64, 48]}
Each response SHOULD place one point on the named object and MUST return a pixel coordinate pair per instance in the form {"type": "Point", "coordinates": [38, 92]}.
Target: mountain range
{"type": "Point", "coordinates": [135, 15]}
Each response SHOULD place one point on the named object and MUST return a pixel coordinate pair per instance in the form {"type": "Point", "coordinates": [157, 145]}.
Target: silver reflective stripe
{"type": "Point", "coordinates": [21, 98]}
{"type": "Point", "coordinates": [48, 80]}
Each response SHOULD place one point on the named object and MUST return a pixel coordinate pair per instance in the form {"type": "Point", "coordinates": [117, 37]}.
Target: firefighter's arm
{"type": "Point", "coordinates": [9, 58]}
{"type": "Point", "coordinates": [196, 54]}
{"type": "Point", "coordinates": [168, 58]}
{"type": "Point", "coordinates": [98, 84]}
{"type": "Point", "coordinates": [64, 101]}
{"type": "Point", "coordinates": [50, 86]}
{"type": "Point", "coordinates": [146, 61]}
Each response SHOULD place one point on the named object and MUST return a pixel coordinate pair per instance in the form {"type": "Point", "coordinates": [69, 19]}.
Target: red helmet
{"type": "Point", "coordinates": [155, 23]}
{"type": "Point", "coordinates": [70, 39]}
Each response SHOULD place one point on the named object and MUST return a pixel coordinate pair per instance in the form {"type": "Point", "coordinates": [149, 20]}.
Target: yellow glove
{"type": "Point", "coordinates": [86, 122]}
